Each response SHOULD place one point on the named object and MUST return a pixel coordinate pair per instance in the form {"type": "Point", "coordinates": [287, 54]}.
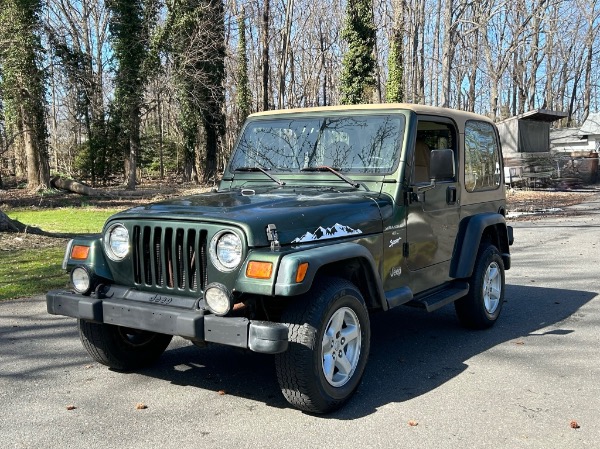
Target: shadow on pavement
{"type": "Point", "coordinates": [412, 352]}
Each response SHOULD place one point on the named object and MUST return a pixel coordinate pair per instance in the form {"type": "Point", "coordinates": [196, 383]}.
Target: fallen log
{"type": "Point", "coordinates": [131, 193]}
{"type": "Point", "coordinates": [80, 188]}
{"type": "Point", "coordinates": [74, 186]}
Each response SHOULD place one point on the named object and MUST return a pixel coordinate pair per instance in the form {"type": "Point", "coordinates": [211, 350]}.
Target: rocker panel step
{"type": "Point", "coordinates": [440, 298]}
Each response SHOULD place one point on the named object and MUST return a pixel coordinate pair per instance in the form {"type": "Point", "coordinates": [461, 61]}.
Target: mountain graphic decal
{"type": "Point", "coordinates": [321, 233]}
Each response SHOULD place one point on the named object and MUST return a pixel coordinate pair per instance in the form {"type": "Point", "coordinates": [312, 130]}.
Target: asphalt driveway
{"type": "Point", "coordinates": [518, 385]}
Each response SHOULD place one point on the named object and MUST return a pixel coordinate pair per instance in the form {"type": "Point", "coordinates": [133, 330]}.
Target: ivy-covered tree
{"type": "Point", "coordinates": [358, 65]}
{"type": "Point", "coordinates": [243, 88]}
{"type": "Point", "coordinates": [3, 142]}
{"type": "Point", "coordinates": [195, 33]}
{"type": "Point", "coordinates": [23, 87]}
{"type": "Point", "coordinates": [132, 22]}
{"type": "Point", "coordinates": [395, 82]}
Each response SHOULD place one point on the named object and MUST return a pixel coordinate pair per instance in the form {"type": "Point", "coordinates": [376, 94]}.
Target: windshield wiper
{"type": "Point", "coordinates": [262, 170]}
{"type": "Point", "coordinates": [354, 184]}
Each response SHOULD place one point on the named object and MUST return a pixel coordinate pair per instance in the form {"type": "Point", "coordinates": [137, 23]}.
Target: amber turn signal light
{"type": "Point", "coordinates": [259, 270]}
{"type": "Point", "coordinates": [80, 252]}
{"type": "Point", "coordinates": [301, 273]}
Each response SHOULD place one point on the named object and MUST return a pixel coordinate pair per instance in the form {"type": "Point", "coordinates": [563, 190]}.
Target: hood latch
{"type": "Point", "coordinates": [273, 238]}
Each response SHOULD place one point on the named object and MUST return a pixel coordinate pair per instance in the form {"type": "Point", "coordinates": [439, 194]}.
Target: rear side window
{"type": "Point", "coordinates": [482, 157]}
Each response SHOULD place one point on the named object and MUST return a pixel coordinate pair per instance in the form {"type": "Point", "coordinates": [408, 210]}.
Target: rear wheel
{"type": "Point", "coordinates": [329, 339]}
{"type": "Point", "coordinates": [120, 347]}
{"type": "Point", "coordinates": [481, 307]}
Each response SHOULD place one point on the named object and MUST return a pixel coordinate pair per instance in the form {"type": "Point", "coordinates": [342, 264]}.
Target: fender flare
{"type": "Point", "coordinates": [286, 285]}
{"type": "Point", "coordinates": [468, 240]}
{"type": "Point", "coordinates": [96, 260]}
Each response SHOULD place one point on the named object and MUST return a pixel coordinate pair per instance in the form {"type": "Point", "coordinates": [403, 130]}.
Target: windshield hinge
{"type": "Point", "coordinates": [273, 238]}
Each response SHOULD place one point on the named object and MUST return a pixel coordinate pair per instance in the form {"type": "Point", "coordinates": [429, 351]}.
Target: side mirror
{"type": "Point", "coordinates": [441, 165]}
{"type": "Point", "coordinates": [441, 168]}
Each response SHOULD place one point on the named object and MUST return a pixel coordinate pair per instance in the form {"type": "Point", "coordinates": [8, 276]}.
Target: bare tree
{"type": "Point", "coordinates": [23, 86]}
{"type": "Point", "coordinates": [78, 36]}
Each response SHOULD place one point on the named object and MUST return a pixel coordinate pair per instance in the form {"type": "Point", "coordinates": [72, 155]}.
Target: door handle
{"type": "Point", "coordinates": [451, 195]}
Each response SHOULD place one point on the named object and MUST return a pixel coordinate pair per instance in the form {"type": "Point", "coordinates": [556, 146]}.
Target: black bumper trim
{"type": "Point", "coordinates": [258, 336]}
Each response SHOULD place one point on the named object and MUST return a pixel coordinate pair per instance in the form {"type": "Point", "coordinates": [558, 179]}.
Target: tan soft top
{"type": "Point", "coordinates": [458, 116]}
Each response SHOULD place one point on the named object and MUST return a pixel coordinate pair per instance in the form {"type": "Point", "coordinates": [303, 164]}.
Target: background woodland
{"type": "Point", "coordinates": [114, 91]}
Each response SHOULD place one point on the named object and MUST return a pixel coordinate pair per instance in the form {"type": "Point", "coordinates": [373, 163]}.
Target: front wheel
{"type": "Point", "coordinates": [329, 335]}
{"type": "Point", "coordinates": [481, 307]}
{"type": "Point", "coordinates": [120, 347]}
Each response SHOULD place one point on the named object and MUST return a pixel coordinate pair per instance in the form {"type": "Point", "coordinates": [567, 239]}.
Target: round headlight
{"type": "Point", "coordinates": [81, 280]}
{"type": "Point", "coordinates": [218, 299]}
{"type": "Point", "coordinates": [116, 242]}
{"type": "Point", "coordinates": [226, 251]}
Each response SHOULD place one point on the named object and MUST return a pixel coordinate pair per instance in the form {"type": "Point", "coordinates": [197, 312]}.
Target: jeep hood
{"type": "Point", "coordinates": [300, 215]}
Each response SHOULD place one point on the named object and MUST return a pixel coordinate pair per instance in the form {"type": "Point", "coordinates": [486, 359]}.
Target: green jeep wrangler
{"type": "Point", "coordinates": [322, 216]}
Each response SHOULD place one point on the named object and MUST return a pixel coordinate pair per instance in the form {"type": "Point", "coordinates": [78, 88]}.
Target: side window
{"type": "Point", "coordinates": [482, 157]}
{"type": "Point", "coordinates": [431, 135]}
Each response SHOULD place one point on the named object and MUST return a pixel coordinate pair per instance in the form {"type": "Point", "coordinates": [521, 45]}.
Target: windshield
{"type": "Point", "coordinates": [353, 144]}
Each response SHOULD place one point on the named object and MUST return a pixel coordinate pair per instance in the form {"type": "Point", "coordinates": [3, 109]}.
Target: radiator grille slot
{"type": "Point", "coordinates": [170, 257]}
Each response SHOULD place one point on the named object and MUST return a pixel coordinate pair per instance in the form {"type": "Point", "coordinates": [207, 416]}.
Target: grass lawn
{"type": "Point", "coordinates": [31, 272]}
{"type": "Point", "coordinates": [72, 220]}
{"type": "Point", "coordinates": [27, 270]}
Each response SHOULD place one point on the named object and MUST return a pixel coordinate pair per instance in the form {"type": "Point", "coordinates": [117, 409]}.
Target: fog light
{"type": "Point", "coordinates": [218, 299]}
{"type": "Point", "coordinates": [81, 280]}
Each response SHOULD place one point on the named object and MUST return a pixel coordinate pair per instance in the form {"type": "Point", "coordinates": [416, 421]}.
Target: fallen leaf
{"type": "Point", "coordinates": [413, 423]}
{"type": "Point", "coordinates": [141, 406]}
{"type": "Point", "coordinates": [222, 392]}
{"type": "Point", "coordinates": [71, 407]}
{"type": "Point", "coordinates": [575, 425]}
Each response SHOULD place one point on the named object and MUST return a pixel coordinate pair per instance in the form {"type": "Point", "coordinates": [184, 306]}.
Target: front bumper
{"type": "Point", "coordinates": [130, 308]}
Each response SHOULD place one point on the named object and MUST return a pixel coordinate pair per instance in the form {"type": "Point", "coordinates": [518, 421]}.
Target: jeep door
{"type": "Point", "coordinates": [433, 210]}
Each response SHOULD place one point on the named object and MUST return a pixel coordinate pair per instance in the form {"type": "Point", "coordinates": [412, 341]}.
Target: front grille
{"type": "Point", "coordinates": [170, 257]}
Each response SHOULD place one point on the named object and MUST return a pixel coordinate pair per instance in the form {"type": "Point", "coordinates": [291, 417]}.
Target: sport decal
{"type": "Point", "coordinates": [394, 242]}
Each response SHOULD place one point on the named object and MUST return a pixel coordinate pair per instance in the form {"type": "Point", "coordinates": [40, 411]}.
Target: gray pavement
{"type": "Point", "coordinates": [518, 385]}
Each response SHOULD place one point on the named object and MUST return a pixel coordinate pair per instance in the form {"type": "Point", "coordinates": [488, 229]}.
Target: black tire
{"type": "Point", "coordinates": [481, 307]}
{"type": "Point", "coordinates": [122, 348]}
{"type": "Point", "coordinates": [301, 370]}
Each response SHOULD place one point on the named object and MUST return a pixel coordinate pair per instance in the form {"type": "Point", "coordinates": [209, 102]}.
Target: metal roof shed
{"type": "Point", "coordinates": [528, 132]}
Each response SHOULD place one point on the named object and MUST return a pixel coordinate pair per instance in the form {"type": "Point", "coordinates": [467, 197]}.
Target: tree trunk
{"type": "Point", "coordinates": [323, 63]}
{"type": "Point", "coordinates": [285, 49]}
{"type": "Point", "coordinates": [447, 52]}
{"type": "Point", "coordinates": [6, 224]}
{"type": "Point", "coordinates": [20, 159]}
{"type": "Point", "coordinates": [37, 170]}
{"type": "Point", "coordinates": [587, 90]}
{"type": "Point", "coordinates": [134, 146]}
{"type": "Point", "coordinates": [265, 56]}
